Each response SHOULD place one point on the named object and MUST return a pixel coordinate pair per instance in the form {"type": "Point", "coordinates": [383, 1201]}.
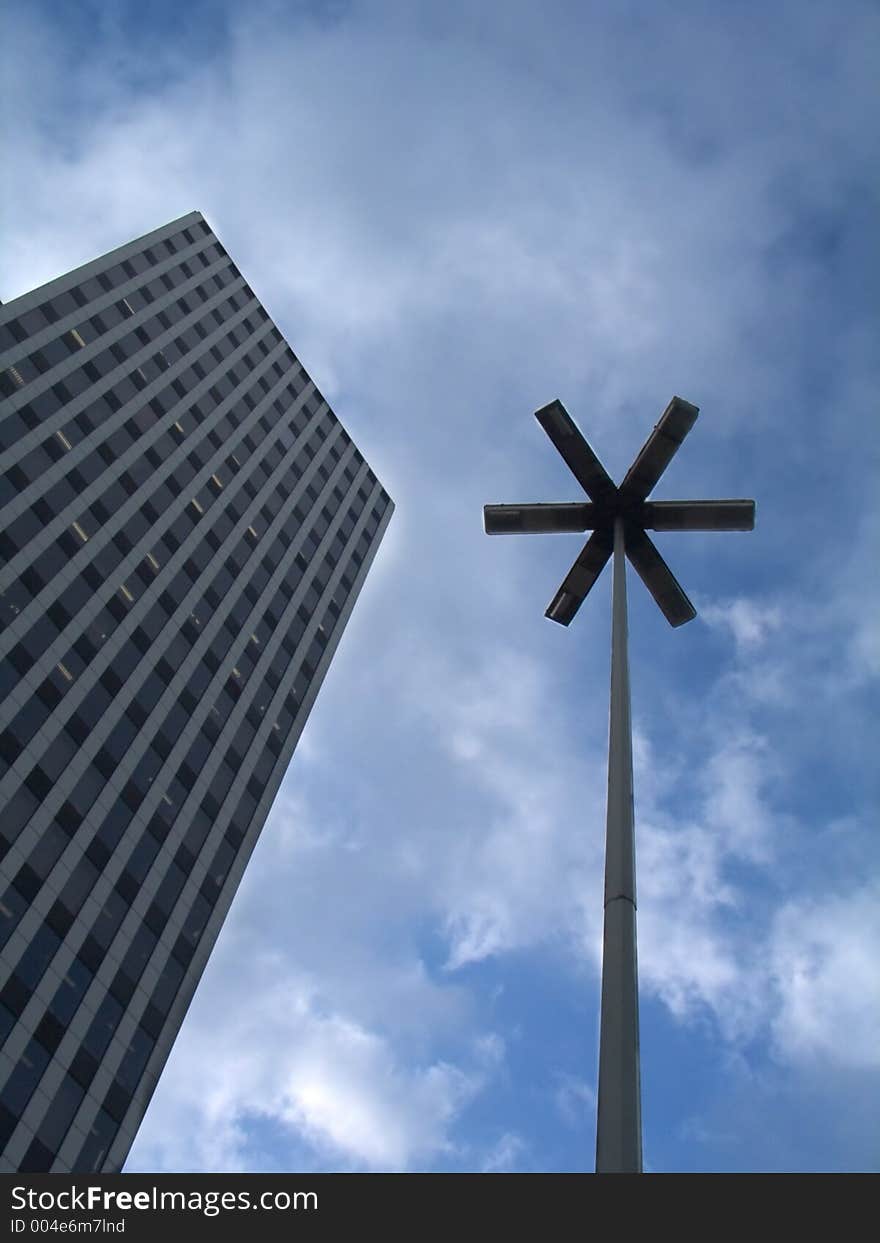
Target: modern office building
{"type": "Point", "coordinates": [184, 529]}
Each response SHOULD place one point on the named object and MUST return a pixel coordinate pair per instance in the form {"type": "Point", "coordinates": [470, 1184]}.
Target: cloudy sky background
{"type": "Point", "coordinates": [456, 212]}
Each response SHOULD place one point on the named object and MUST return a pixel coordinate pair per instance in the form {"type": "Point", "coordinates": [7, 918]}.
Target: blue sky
{"type": "Point", "coordinates": [456, 213]}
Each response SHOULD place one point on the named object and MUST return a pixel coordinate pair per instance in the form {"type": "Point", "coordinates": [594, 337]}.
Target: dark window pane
{"type": "Point", "coordinates": [94, 1150]}
{"type": "Point", "coordinates": [65, 1103]}
{"type": "Point", "coordinates": [71, 991]}
{"type": "Point", "coordinates": [38, 955]}
{"type": "Point", "coordinates": [25, 1077]}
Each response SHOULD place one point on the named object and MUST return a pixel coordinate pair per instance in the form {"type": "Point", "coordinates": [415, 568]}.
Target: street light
{"type": "Point", "coordinates": [619, 518]}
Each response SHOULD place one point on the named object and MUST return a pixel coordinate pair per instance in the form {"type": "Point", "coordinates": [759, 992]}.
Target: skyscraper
{"type": "Point", "coordinates": [184, 529]}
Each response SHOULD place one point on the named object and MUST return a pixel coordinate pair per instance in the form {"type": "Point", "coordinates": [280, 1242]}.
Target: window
{"type": "Point", "coordinates": [12, 906]}
{"type": "Point", "coordinates": [103, 1026]}
{"type": "Point", "coordinates": [28, 721]}
{"type": "Point", "coordinates": [47, 851]}
{"type": "Point", "coordinates": [170, 888]}
{"type": "Point", "coordinates": [27, 1074]}
{"type": "Point", "coordinates": [79, 885]}
{"type": "Point", "coordinates": [110, 917]}
{"type": "Point", "coordinates": [114, 825]}
{"type": "Point", "coordinates": [96, 1147]}
{"type": "Point", "coordinates": [142, 945]}
{"type": "Point", "coordinates": [169, 983]}
{"type": "Point", "coordinates": [71, 991]}
{"type": "Point", "coordinates": [135, 1059]}
{"type": "Point", "coordinates": [65, 1102]}
{"type": "Point", "coordinates": [37, 956]}
{"type": "Point", "coordinates": [141, 859]}
{"type": "Point", "coordinates": [59, 755]}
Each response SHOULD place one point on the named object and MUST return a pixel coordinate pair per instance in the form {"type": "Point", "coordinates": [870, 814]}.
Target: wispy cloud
{"type": "Point", "coordinates": [330, 1086]}
{"type": "Point", "coordinates": [747, 621]}
{"type": "Point", "coordinates": [824, 964]}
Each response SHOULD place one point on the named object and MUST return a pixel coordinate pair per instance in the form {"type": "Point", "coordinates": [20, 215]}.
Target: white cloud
{"type": "Point", "coordinates": [736, 808]}
{"type": "Point", "coordinates": [575, 1100]}
{"type": "Point", "coordinates": [505, 1155]}
{"type": "Point", "coordinates": [322, 1078]}
{"type": "Point", "coordinates": [514, 877]}
{"type": "Point", "coordinates": [823, 960]}
{"type": "Point", "coordinates": [748, 621]}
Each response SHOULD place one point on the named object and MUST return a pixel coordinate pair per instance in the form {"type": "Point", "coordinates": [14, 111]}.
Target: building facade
{"type": "Point", "coordinates": [184, 529]}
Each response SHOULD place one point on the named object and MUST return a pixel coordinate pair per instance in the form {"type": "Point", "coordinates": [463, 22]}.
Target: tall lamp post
{"type": "Point", "coordinates": [619, 518]}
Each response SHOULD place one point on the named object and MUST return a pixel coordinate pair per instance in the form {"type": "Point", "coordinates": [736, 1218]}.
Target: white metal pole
{"type": "Point", "coordinates": [619, 1121]}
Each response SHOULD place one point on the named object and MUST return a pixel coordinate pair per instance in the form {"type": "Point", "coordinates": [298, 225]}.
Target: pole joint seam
{"type": "Point", "coordinates": [620, 897]}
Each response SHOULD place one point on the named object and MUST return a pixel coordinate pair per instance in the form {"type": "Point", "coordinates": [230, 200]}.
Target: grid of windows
{"type": "Point", "coordinates": [184, 528]}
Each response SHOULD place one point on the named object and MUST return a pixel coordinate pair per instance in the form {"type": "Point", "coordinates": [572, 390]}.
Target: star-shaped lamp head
{"type": "Point", "coordinates": [628, 503]}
